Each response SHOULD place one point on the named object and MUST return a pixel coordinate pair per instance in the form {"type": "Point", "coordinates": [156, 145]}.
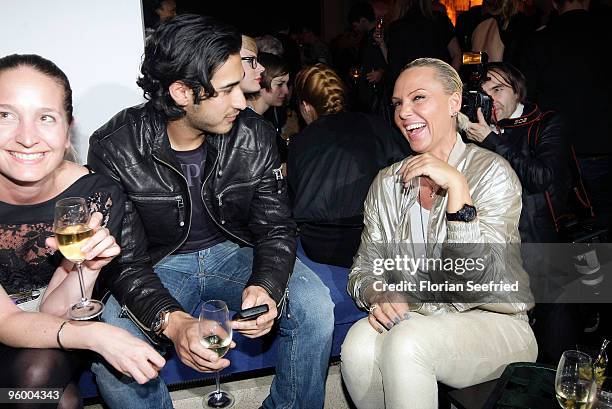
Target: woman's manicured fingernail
{"type": "Point", "coordinates": [406, 316]}
{"type": "Point", "coordinates": [396, 320]}
{"type": "Point", "coordinates": [389, 325]}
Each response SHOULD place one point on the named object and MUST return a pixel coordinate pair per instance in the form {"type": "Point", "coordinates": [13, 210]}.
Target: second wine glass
{"type": "Point", "coordinates": [216, 335]}
{"type": "Point", "coordinates": [72, 231]}
{"type": "Point", "coordinates": [574, 381]}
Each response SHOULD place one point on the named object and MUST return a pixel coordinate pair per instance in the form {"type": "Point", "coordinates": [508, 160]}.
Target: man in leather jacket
{"type": "Point", "coordinates": [208, 209]}
{"type": "Point", "coordinates": [535, 144]}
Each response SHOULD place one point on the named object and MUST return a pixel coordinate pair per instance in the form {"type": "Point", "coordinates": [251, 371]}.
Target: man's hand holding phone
{"type": "Point", "coordinates": [257, 322]}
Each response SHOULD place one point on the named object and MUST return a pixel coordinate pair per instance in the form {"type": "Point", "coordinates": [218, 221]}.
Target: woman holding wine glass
{"type": "Point", "coordinates": [35, 119]}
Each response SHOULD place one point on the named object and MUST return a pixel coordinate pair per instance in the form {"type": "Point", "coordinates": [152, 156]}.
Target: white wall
{"type": "Point", "coordinates": [97, 43]}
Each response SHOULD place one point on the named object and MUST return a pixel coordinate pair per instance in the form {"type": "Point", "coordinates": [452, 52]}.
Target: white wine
{"type": "Point", "coordinates": [581, 397]}
{"type": "Point", "coordinates": [70, 240]}
{"type": "Point", "coordinates": [216, 344]}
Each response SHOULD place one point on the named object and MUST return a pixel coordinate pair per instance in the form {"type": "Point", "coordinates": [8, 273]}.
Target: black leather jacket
{"type": "Point", "coordinates": [537, 148]}
{"type": "Point", "coordinates": [244, 192]}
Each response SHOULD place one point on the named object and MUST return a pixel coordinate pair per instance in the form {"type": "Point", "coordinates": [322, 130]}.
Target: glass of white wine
{"type": "Point", "coordinates": [72, 231]}
{"type": "Point", "coordinates": [216, 335]}
{"type": "Point", "coordinates": [575, 385]}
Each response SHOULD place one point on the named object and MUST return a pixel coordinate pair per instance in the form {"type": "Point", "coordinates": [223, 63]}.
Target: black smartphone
{"type": "Point", "coordinates": [251, 313]}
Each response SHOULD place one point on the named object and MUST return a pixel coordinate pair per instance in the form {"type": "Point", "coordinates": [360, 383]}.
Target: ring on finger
{"type": "Point", "coordinates": [372, 308]}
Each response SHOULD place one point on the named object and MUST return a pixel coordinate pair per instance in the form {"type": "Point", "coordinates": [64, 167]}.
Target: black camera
{"type": "Point", "coordinates": [475, 69]}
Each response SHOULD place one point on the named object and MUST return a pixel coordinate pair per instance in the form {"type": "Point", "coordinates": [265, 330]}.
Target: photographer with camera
{"type": "Point", "coordinates": [535, 144]}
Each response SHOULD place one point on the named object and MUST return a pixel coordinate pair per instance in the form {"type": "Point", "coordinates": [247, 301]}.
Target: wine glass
{"type": "Point", "coordinates": [378, 28]}
{"type": "Point", "coordinates": [604, 395]}
{"type": "Point", "coordinates": [216, 335]}
{"type": "Point", "coordinates": [72, 231]}
{"type": "Point", "coordinates": [355, 73]}
{"type": "Point", "coordinates": [575, 385]}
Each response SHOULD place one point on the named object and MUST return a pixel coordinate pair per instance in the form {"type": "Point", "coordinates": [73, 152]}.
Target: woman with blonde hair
{"type": "Point", "coordinates": [503, 33]}
{"type": "Point", "coordinates": [251, 83]}
{"type": "Point", "coordinates": [448, 206]}
{"type": "Point", "coordinates": [331, 164]}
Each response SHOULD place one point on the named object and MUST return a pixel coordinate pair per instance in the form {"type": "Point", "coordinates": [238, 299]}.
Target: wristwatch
{"type": "Point", "coordinates": [162, 319]}
{"type": "Point", "coordinates": [466, 214]}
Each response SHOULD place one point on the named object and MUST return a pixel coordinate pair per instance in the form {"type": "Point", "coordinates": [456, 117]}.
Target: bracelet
{"type": "Point", "coordinates": [59, 332]}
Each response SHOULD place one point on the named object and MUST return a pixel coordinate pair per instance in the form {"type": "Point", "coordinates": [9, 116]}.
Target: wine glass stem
{"type": "Point", "coordinates": [80, 273]}
{"type": "Point", "coordinates": [218, 382]}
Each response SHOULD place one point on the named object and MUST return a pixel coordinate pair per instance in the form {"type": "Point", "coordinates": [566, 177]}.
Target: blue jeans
{"type": "Point", "coordinates": [221, 272]}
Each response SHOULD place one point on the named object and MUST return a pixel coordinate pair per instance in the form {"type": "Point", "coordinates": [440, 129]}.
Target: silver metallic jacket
{"type": "Point", "coordinates": [493, 237]}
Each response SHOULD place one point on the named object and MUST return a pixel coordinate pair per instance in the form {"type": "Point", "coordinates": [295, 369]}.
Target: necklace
{"type": "Point", "coordinates": [431, 184]}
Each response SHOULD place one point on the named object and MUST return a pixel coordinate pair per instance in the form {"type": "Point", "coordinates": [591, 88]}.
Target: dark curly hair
{"type": "Point", "coordinates": [188, 48]}
{"type": "Point", "coordinates": [45, 67]}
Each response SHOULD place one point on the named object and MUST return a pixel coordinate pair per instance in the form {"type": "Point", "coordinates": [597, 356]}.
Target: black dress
{"type": "Point", "coordinates": [26, 263]}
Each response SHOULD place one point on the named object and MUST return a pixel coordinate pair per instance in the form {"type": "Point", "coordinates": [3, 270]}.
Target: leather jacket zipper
{"type": "Point", "coordinates": [134, 319]}
{"type": "Point", "coordinates": [278, 174]}
{"type": "Point", "coordinates": [281, 303]}
{"type": "Point", "coordinates": [181, 205]}
{"type": "Point", "coordinates": [220, 198]}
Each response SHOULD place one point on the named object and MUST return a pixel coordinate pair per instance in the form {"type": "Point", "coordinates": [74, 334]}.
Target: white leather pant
{"type": "Point", "coordinates": [399, 368]}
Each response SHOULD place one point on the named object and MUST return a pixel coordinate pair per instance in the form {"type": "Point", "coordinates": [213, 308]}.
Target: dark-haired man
{"type": "Point", "coordinates": [371, 58]}
{"type": "Point", "coordinates": [204, 178]}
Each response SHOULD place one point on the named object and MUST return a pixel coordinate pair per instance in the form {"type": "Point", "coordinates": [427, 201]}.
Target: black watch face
{"type": "Point", "coordinates": [467, 213]}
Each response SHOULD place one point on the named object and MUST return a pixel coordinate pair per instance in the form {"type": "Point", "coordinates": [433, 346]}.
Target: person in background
{"type": "Point", "coordinates": [419, 32]}
{"type": "Point", "coordinates": [314, 49]}
{"type": "Point", "coordinates": [156, 12]}
{"type": "Point", "coordinates": [503, 31]}
{"type": "Point", "coordinates": [371, 59]}
{"type": "Point", "coordinates": [35, 121]}
{"type": "Point", "coordinates": [331, 165]}
{"type": "Point", "coordinates": [577, 42]}
{"type": "Point", "coordinates": [253, 69]}
{"type": "Point", "coordinates": [540, 161]}
{"type": "Point", "coordinates": [274, 93]}
{"type": "Point", "coordinates": [449, 201]}
{"type": "Point", "coordinates": [270, 44]}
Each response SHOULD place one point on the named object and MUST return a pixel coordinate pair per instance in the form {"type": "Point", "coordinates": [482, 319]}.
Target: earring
{"type": "Point", "coordinates": [454, 114]}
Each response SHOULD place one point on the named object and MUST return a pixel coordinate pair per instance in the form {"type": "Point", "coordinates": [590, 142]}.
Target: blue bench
{"type": "Point", "coordinates": [257, 354]}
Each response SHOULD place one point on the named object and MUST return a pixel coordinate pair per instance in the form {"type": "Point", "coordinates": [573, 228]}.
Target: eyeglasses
{"type": "Point", "coordinates": [252, 61]}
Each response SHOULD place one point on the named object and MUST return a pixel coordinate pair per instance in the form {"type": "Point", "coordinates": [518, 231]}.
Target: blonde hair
{"type": "Point", "coordinates": [322, 88]}
{"type": "Point", "coordinates": [248, 43]}
{"type": "Point", "coordinates": [450, 80]}
{"type": "Point", "coordinates": [506, 8]}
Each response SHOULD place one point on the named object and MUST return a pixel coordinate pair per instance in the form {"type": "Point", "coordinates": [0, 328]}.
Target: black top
{"type": "Point", "coordinates": [333, 161]}
{"type": "Point", "coordinates": [203, 232]}
{"type": "Point", "coordinates": [567, 71]}
{"type": "Point", "coordinates": [26, 263]}
{"type": "Point", "coordinates": [415, 36]}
